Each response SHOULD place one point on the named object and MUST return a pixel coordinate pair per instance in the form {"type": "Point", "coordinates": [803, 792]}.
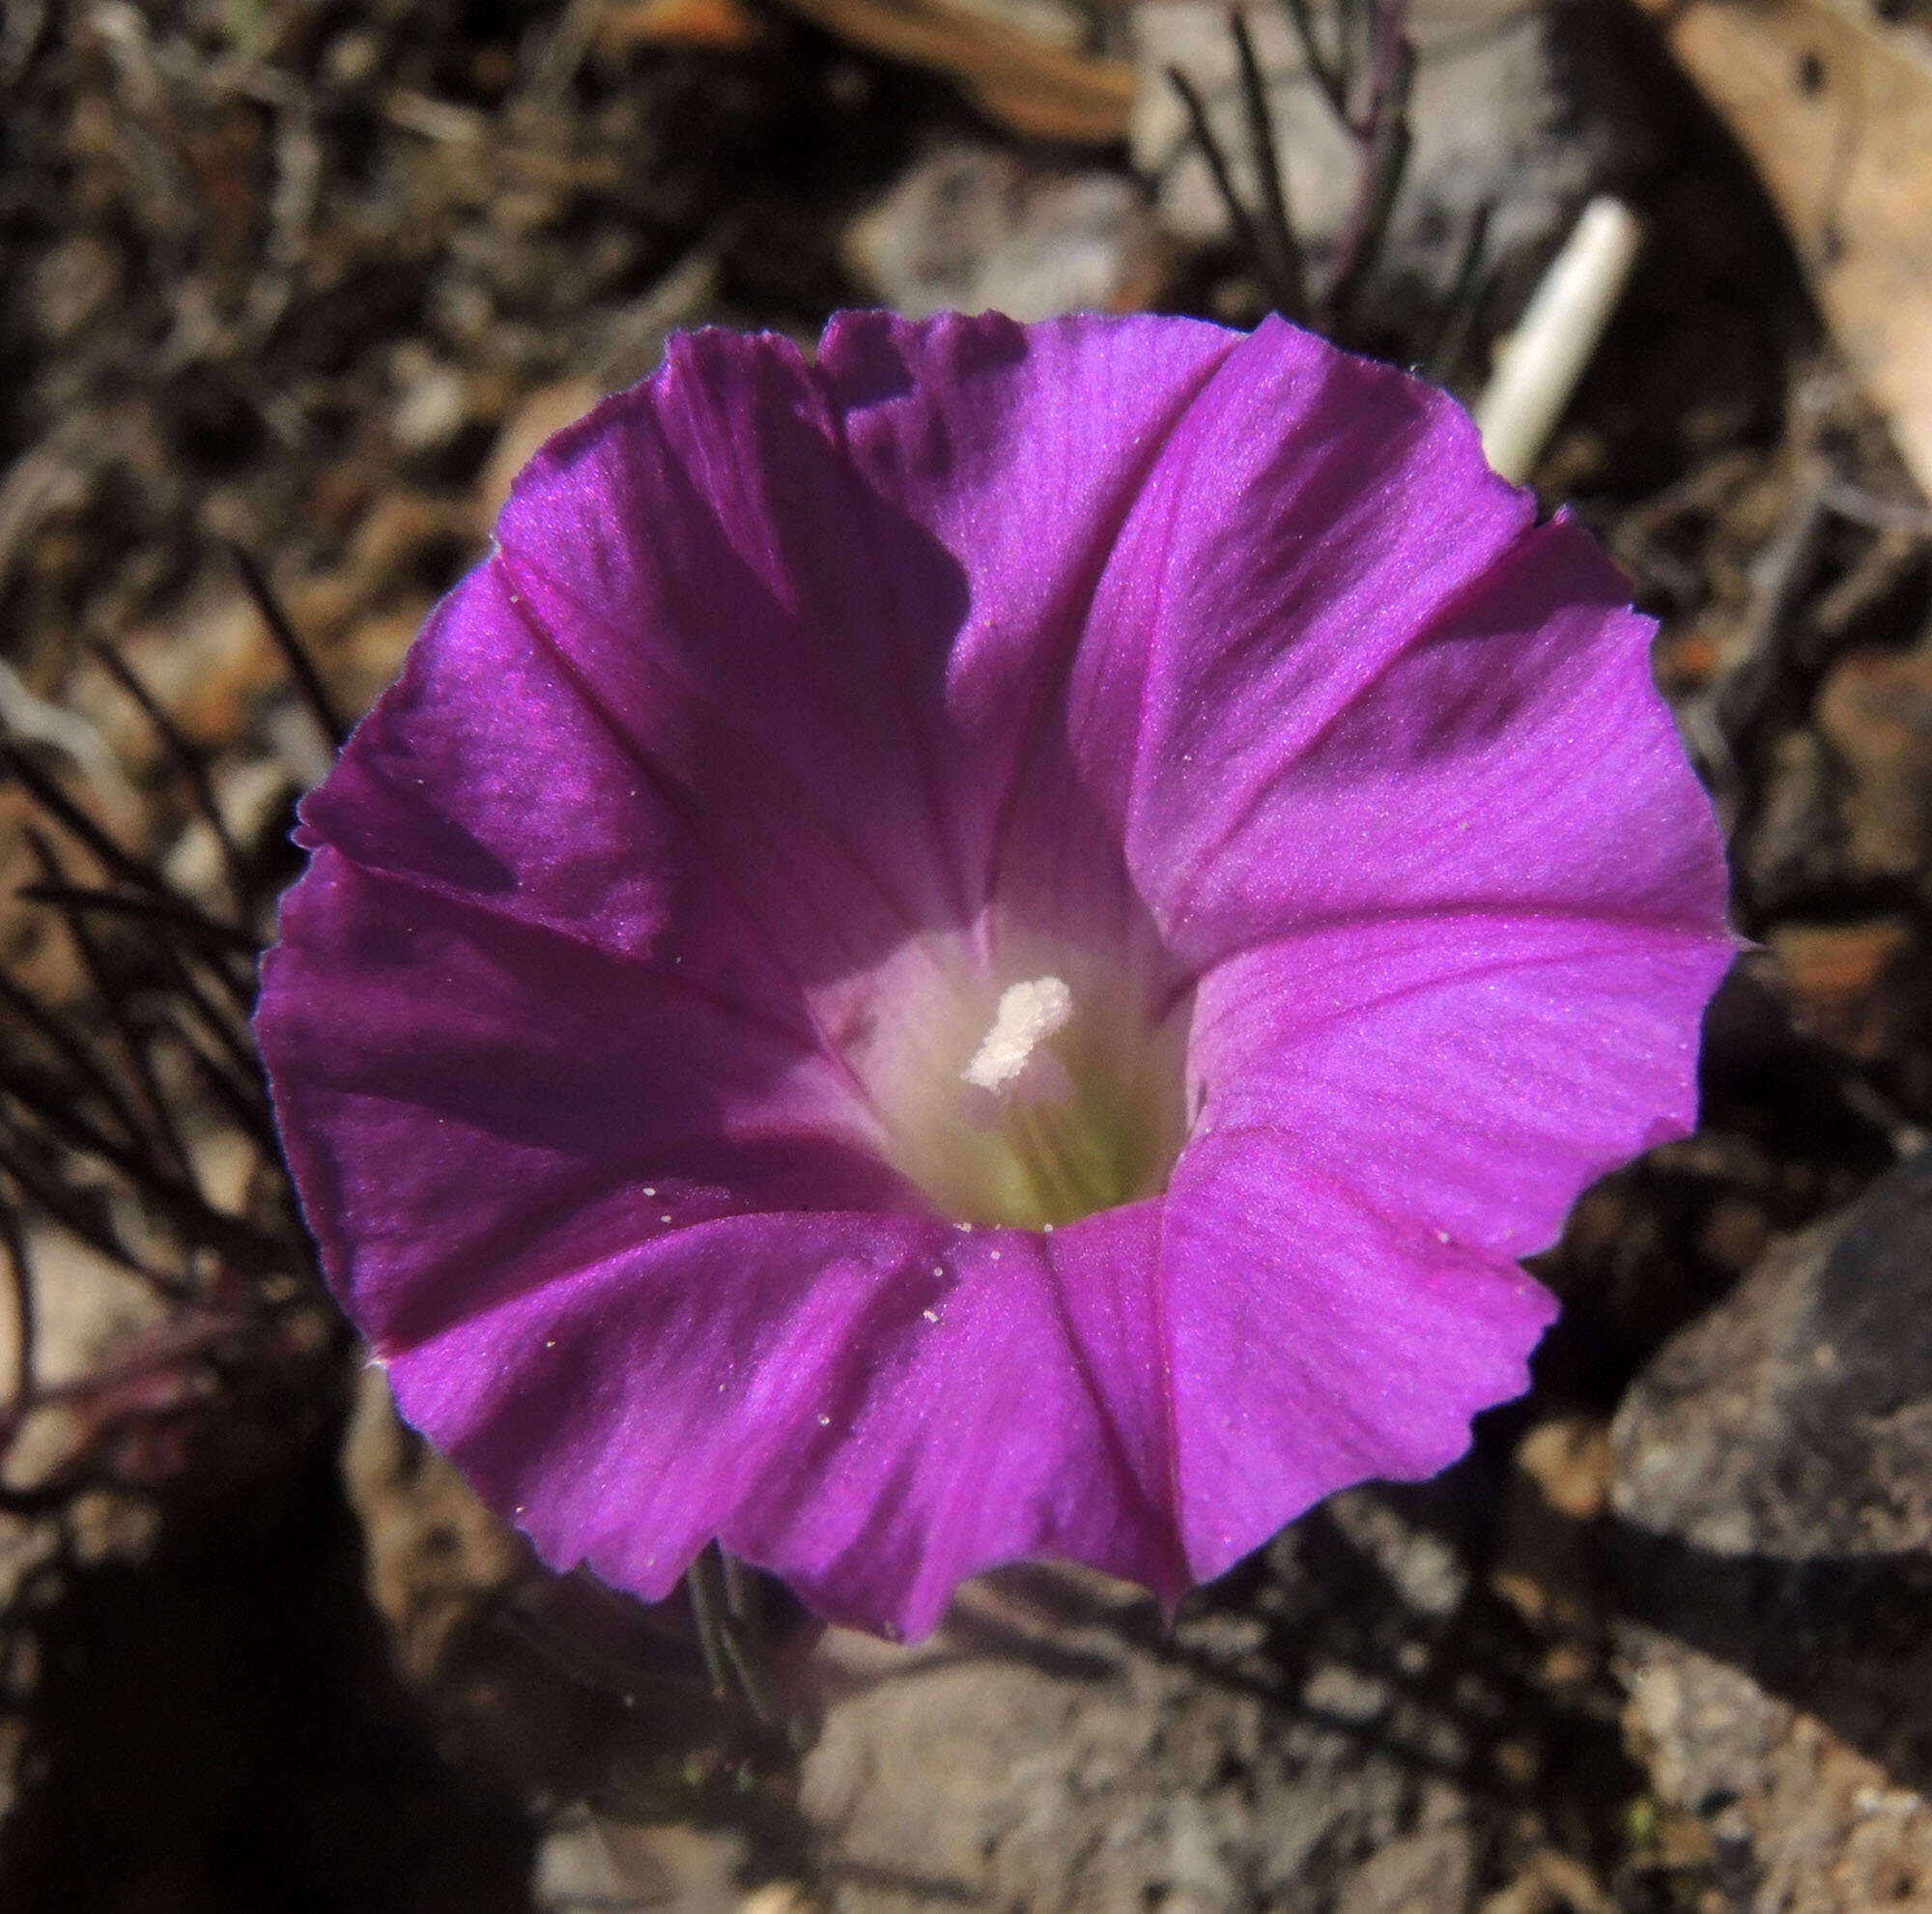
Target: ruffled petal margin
{"type": "Point", "coordinates": [1315, 1342]}
{"type": "Point", "coordinates": [872, 1408]}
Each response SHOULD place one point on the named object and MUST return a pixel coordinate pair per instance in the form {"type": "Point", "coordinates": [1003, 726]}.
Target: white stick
{"type": "Point", "coordinates": [1538, 369]}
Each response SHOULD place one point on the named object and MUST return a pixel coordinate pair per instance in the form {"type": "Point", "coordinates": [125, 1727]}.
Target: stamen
{"type": "Point", "coordinates": [1029, 1013]}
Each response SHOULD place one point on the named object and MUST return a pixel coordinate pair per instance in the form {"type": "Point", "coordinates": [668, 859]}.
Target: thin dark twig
{"type": "Point", "coordinates": [1281, 260]}
{"type": "Point", "coordinates": [240, 992]}
{"type": "Point", "coordinates": [214, 957]}
{"type": "Point", "coordinates": [20, 1274]}
{"type": "Point", "coordinates": [72, 1052]}
{"type": "Point", "coordinates": [1245, 236]}
{"type": "Point", "coordinates": [113, 857]}
{"type": "Point", "coordinates": [233, 1043]}
{"type": "Point", "coordinates": [1777, 575]}
{"type": "Point", "coordinates": [745, 1600]}
{"type": "Point", "coordinates": [70, 1213]}
{"type": "Point", "coordinates": [55, 802]}
{"type": "Point", "coordinates": [1332, 77]}
{"type": "Point", "coordinates": [59, 1116]}
{"type": "Point", "coordinates": [189, 766]}
{"type": "Point", "coordinates": [209, 1339]}
{"type": "Point", "coordinates": [1348, 36]}
{"type": "Point", "coordinates": [1719, 715]}
{"type": "Point", "coordinates": [745, 1638]}
{"type": "Point", "coordinates": [250, 1113]}
{"type": "Point", "coordinates": [1862, 507]}
{"type": "Point", "coordinates": [182, 916]}
{"type": "Point", "coordinates": [184, 1206]}
{"type": "Point", "coordinates": [748, 1664]}
{"type": "Point", "coordinates": [180, 976]}
{"type": "Point", "coordinates": [1384, 157]}
{"type": "Point", "coordinates": [294, 653]}
{"type": "Point", "coordinates": [161, 1117]}
{"type": "Point", "coordinates": [48, 1497]}
{"type": "Point", "coordinates": [704, 1584]}
{"type": "Point", "coordinates": [1465, 301]}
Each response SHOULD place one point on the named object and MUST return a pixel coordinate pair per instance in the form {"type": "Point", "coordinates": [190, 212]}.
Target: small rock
{"type": "Point", "coordinates": [1422, 1873]}
{"type": "Point", "coordinates": [85, 1308]}
{"type": "Point", "coordinates": [1569, 1459]}
{"type": "Point", "coordinates": [1861, 987]}
{"type": "Point", "coordinates": [1427, 1572]}
{"type": "Point", "coordinates": [1551, 1882]}
{"type": "Point", "coordinates": [1543, 1567]}
{"type": "Point", "coordinates": [1793, 846]}
{"type": "Point", "coordinates": [436, 1557]}
{"type": "Point", "coordinates": [1054, 1748]}
{"type": "Point", "coordinates": [352, 60]}
{"type": "Point", "coordinates": [1774, 1494]}
{"type": "Point", "coordinates": [588, 1861]}
{"type": "Point", "coordinates": [433, 408]}
{"type": "Point", "coordinates": [205, 664]}
{"type": "Point", "coordinates": [778, 1897]}
{"type": "Point", "coordinates": [976, 229]}
{"type": "Point", "coordinates": [1875, 712]}
{"type": "Point", "coordinates": [72, 283]}
{"type": "Point", "coordinates": [407, 541]}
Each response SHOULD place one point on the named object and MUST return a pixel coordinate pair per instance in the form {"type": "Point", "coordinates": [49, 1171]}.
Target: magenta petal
{"type": "Point", "coordinates": [1473, 1072]}
{"type": "Point", "coordinates": [826, 607]}
{"type": "Point", "coordinates": [872, 1408]}
{"type": "Point", "coordinates": [1372, 685]}
{"type": "Point", "coordinates": [1317, 1341]}
{"type": "Point", "coordinates": [506, 993]}
{"type": "Point", "coordinates": [471, 1105]}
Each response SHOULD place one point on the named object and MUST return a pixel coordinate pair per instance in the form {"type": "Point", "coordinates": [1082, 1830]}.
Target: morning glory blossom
{"type": "Point", "coordinates": [989, 945]}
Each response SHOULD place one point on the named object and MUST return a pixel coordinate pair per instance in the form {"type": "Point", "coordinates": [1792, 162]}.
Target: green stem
{"type": "Point", "coordinates": [704, 1583]}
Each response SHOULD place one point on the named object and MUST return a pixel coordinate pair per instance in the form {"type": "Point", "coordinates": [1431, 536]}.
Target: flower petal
{"type": "Point", "coordinates": [1315, 1342]}
{"type": "Point", "coordinates": [506, 987]}
{"type": "Point", "coordinates": [1475, 1073]}
{"type": "Point", "coordinates": [823, 605]}
{"type": "Point", "coordinates": [469, 1102]}
{"type": "Point", "coordinates": [872, 1408]}
{"type": "Point", "coordinates": [1366, 681]}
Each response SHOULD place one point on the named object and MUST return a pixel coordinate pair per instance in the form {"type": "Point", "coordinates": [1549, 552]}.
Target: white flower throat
{"type": "Point", "coordinates": [1045, 1103]}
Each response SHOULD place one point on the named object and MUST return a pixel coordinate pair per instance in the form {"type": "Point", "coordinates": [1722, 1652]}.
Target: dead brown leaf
{"type": "Point", "coordinates": [1044, 91]}
{"type": "Point", "coordinates": [1835, 109]}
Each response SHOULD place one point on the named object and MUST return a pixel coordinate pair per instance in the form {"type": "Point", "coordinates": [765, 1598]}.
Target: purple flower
{"type": "Point", "coordinates": [989, 947]}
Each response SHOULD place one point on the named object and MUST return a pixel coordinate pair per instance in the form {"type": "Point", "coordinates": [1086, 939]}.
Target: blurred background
{"type": "Point", "coordinates": [289, 289]}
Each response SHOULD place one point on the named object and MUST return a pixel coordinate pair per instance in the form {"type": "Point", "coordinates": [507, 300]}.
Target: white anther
{"type": "Point", "coordinates": [1029, 1013]}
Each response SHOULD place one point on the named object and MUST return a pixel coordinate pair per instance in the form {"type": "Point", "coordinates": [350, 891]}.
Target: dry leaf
{"type": "Point", "coordinates": [1044, 91]}
{"type": "Point", "coordinates": [1835, 109]}
{"type": "Point", "coordinates": [715, 26]}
